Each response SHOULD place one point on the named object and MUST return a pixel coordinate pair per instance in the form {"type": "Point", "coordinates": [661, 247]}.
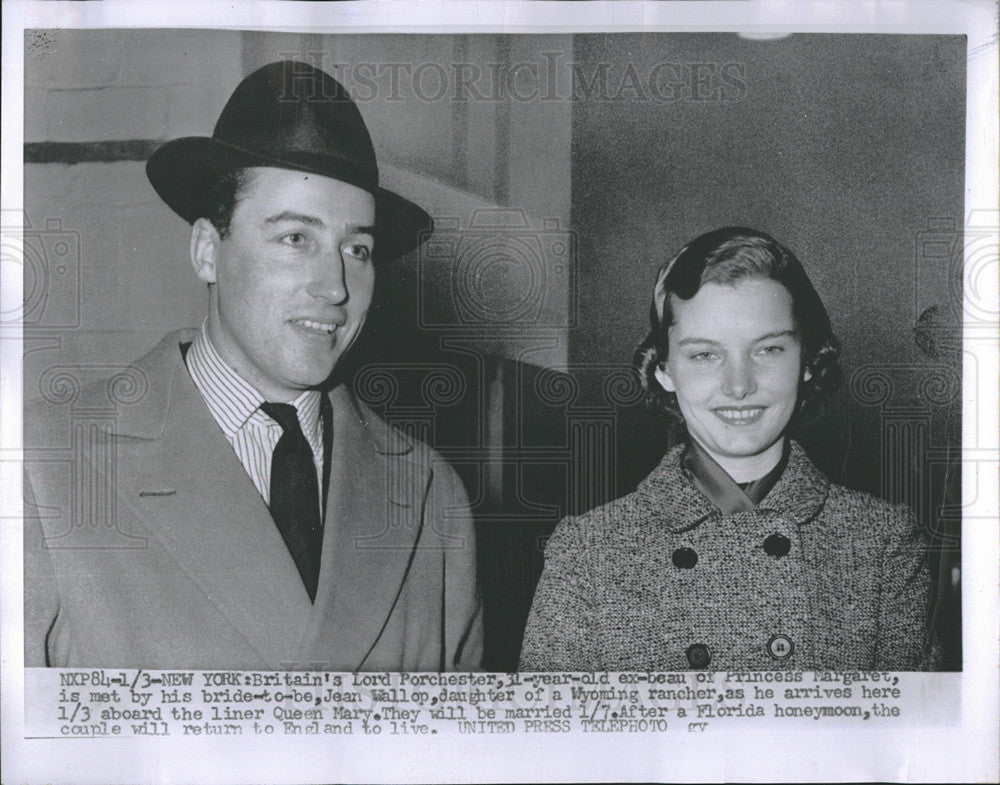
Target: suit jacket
{"type": "Point", "coordinates": [150, 546]}
{"type": "Point", "coordinates": [852, 591]}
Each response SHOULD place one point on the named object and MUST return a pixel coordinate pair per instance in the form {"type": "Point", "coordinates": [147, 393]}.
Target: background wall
{"type": "Point", "coordinates": [561, 172]}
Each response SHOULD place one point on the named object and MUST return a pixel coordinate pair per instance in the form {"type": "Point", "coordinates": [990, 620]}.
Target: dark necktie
{"type": "Point", "coordinates": [295, 494]}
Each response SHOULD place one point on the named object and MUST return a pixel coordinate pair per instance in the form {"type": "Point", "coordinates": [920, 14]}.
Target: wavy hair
{"type": "Point", "coordinates": [726, 256]}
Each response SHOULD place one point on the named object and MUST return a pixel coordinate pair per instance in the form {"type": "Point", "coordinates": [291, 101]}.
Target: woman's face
{"type": "Point", "coordinates": [735, 363]}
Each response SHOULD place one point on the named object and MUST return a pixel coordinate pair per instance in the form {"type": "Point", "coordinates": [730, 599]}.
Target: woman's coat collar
{"type": "Point", "coordinates": [669, 497]}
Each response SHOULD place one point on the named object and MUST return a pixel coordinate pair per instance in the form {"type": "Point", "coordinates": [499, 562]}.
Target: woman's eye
{"type": "Point", "coordinates": [702, 356]}
{"type": "Point", "coordinates": [294, 238]}
{"type": "Point", "coordinates": [770, 351]}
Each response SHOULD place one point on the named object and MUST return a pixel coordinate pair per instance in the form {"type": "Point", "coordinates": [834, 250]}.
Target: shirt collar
{"type": "Point", "coordinates": [233, 401]}
{"type": "Point", "coordinates": [307, 406]}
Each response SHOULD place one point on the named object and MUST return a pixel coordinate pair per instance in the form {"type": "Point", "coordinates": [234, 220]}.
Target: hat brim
{"type": "Point", "coordinates": [184, 172]}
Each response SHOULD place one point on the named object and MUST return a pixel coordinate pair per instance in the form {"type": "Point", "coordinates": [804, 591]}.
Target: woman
{"type": "Point", "coordinates": [736, 552]}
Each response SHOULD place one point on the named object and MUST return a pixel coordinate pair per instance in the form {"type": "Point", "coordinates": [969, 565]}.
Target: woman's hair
{"type": "Point", "coordinates": [726, 256]}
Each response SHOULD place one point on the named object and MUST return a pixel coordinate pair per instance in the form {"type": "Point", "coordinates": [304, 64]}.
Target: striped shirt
{"type": "Point", "coordinates": [235, 405]}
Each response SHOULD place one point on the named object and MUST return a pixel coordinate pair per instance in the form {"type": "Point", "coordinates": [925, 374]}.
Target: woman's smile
{"type": "Point", "coordinates": [739, 415]}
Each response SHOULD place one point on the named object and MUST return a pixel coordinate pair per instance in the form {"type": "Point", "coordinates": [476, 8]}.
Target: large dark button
{"type": "Point", "coordinates": [685, 558]}
{"type": "Point", "coordinates": [698, 655]}
{"type": "Point", "coordinates": [777, 545]}
{"type": "Point", "coordinates": [780, 647]}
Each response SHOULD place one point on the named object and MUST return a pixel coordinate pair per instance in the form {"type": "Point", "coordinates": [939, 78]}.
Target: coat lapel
{"type": "Point", "coordinates": [666, 488]}
{"type": "Point", "coordinates": [214, 522]}
{"type": "Point", "coordinates": [800, 492]}
{"type": "Point", "coordinates": [373, 523]}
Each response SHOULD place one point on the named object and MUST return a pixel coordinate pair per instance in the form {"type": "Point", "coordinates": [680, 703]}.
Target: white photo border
{"type": "Point", "coordinates": [966, 752]}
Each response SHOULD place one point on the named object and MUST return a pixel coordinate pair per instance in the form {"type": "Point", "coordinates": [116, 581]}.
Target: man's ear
{"type": "Point", "coordinates": [205, 241]}
{"type": "Point", "coordinates": [663, 377]}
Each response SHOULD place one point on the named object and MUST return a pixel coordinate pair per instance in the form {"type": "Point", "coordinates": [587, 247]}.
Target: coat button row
{"type": "Point", "coordinates": [777, 545]}
{"type": "Point", "coordinates": [780, 647]}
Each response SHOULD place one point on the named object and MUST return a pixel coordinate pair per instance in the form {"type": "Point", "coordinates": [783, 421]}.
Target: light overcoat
{"type": "Point", "coordinates": [852, 592]}
{"type": "Point", "coordinates": [147, 544]}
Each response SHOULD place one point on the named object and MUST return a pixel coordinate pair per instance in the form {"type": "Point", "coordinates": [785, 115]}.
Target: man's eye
{"type": "Point", "coordinates": [701, 356]}
{"type": "Point", "coordinates": [294, 238]}
{"type": "Point", "coordinates": [361, 252]}
{"type": "Point", "coordinates": [771, 351]}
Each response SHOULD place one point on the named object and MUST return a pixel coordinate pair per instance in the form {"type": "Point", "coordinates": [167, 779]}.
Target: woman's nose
{"type": "Point", "coordinates": [739, 381]}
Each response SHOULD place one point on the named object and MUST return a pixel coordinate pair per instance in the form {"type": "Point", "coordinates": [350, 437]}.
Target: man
{"type": "Point", "coordinates": [256, 515]}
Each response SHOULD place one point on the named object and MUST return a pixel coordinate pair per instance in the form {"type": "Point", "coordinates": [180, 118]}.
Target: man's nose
{"type": "Point", "coordinates": [739, 381]}
{"type": "Point", "coordinates": [328, 281]}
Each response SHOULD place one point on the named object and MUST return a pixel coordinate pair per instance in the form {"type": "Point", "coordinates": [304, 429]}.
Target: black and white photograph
{"type": "Point", "coordinates": [500, 374]}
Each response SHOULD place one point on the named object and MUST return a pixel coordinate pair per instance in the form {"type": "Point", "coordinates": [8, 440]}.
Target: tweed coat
{"type": "Point", "coordinates": [149, 546]}
{"type": "Point", "coordinates": [852, 592]}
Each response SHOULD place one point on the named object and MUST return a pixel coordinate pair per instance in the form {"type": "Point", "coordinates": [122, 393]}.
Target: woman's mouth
{"type": "Point", "coordinates": [739, 415]}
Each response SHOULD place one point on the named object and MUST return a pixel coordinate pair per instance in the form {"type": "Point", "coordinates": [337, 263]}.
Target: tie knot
{"type": "Point", "coordinates": [284, 414]}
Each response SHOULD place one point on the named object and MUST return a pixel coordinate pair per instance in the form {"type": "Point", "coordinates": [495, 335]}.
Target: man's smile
{"type": "Point", "coordinates": [320, 328]}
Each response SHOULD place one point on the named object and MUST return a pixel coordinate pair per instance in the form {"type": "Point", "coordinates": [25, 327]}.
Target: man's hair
{"type": "Point", "coordinates": [727, 256]}
{"type": "Point", "coordinates": [224, 196]}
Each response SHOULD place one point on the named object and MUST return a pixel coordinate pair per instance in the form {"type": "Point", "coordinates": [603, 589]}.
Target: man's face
{"type": "Point", "coordinates": [293, 279]}
{"type": "Point", "coordinates": [735, 362]}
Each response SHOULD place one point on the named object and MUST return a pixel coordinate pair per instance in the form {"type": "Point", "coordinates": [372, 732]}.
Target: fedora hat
{"type": "Point", "coordinates": [289, 115]}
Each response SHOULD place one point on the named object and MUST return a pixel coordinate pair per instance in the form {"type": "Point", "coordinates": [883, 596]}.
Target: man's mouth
{"type": "Point", "coordinates": [739, 415]}
{"type": "Point", "coordinates": [320, 328]}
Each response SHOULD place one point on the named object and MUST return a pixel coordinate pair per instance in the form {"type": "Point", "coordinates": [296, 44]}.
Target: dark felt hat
{"type": "Point", "coordinates": [288, 115]}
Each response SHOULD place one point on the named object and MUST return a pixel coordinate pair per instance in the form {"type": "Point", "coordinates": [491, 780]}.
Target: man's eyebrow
{"type": "Point", "coordinates": [288, 216]}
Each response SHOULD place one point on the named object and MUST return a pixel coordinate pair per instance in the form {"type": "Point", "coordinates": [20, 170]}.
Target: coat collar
{"type": "Point", "coordinates": [800, 493]}
{"type": "Point", "coordinates": [188, 487]}
{"type": "Point", "coordinates": [166, 378]}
